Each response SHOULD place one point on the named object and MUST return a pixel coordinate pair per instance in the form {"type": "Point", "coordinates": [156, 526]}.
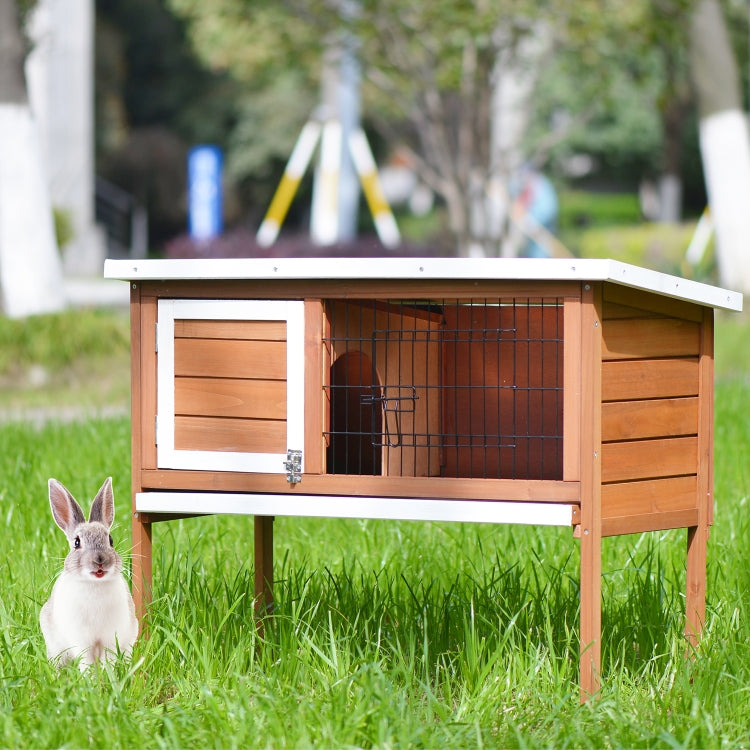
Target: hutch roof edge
{"type": "Point", "coordinates": [529, 269]}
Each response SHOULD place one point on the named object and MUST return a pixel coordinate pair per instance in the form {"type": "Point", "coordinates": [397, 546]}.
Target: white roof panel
{"type": "Point", "coordinates": [526, 269]}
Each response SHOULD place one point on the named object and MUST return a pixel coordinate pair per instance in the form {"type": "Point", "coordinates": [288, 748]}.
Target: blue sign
{"type": "Point", "coordinates": [204, 192]}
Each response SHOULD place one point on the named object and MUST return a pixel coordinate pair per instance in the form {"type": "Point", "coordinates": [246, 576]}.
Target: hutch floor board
{"type": "Point", "coordinates": [562, 392]}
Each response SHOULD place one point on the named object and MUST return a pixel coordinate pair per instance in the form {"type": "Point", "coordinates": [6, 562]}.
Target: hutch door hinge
{"type": "Point", "coordinates": [293, 466]}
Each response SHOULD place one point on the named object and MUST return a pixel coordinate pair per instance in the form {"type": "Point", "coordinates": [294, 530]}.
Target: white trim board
{"type": "Point", "coordinates": [386, 508]}
{"type": "Point", "coordinates": [504, 269]}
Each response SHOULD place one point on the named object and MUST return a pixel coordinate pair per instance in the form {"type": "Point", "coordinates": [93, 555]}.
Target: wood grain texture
{"type": "Point", "coordinates": [432, 487]}
{"type": "Point", "coordinates": [635, 524]}
{"type": "Point", "coordinates": [591, 479]}
{"type": "Point", "coordinates": [632, 420]}
{"type": "Point", "coordinates": [655, 378]}
{"type": "Point", "coordinates": [649, 459]}
{"type": "Point", "coordinates": [259, 330]}
{"type": "Point", "coordinates": [643, 338]}
{"type": "Point", "coordinates": [623, 301]}
{"type": "Point", "coordinates": [230, 359]}
{"type": "Point", "coordinates": [233, 435]}
{"type": "Point", "coordinates": [230, 397]}
{"type": "Point", "coordinates": [649, 496]}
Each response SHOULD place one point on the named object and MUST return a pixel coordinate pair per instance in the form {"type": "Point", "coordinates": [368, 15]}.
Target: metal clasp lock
{"type": "Point", "coordinates": [293, 466]}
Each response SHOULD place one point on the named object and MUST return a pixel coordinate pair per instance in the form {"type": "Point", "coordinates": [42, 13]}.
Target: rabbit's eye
{"type": "Point", "coordinates": [77, 543]}
{"type": "Point", "coordinates": [111, 543]}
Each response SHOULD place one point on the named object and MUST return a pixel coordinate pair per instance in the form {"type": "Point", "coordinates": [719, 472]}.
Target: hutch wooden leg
{"type": "Point", "coordinates": [142, 565]}
{"type": "Point", "coordinates": [695, 612]}
{"type": "Point", "coordinates": [591, 612]}
{"type": "Point", "coordinates": [591, 500]}
{"type": "Point", "coordinates": [263, 565]}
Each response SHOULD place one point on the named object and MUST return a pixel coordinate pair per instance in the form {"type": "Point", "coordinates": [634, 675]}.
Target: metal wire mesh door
{"type": "Point", "coordinates": [454, 388]}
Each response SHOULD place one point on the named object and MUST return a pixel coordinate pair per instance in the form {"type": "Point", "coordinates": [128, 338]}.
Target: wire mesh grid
{"type": "Point", "coordinates": [453, 388]}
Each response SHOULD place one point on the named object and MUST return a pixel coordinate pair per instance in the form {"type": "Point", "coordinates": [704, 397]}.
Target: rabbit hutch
{"type": "Point", "coordinates": [556, 392]}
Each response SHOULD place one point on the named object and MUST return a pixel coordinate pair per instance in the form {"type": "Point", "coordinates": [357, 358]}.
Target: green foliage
{"type": "Point", "coordinates": [64, 231]}
{"type": "Point", "coordinates": [582, 209]}
{"type": "Point", "coordinates": [385, 634]}
{"type": "Point", "coordinates": [59, 340]}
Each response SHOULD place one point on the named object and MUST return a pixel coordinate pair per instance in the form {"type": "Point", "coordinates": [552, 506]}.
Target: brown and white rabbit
{"type": "Point", "coordinates": [90, 613]}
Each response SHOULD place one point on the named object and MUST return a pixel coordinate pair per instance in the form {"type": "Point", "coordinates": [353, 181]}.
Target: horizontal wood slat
{"type": "Point", "coordinates": [651, 496]}
{"type": "Point", "coordinates": [641, 302]}
{"type": "Point", "coordinates": [260, 330]}
{"type": "Point", "coordinates": [227, 397]}
{"type": "Point", "coordinates": [676, 519]}
{"type": "Point", "coordinates": [234, 435]}
{"type": "Point", "coordinates": [519, 490]}
{"type": "Point", "coordinates": [634, 420]}
{"type": "Point", "coordinates": [230, 359]}
{"type": "Point", "coordinates": [647, 459]}
{"type": "Point", "coordinates": [610, 311]}
{"type": "Point", "coordinates": [644, 338]}
{"type": "Point", "coordinates": [656, 378]}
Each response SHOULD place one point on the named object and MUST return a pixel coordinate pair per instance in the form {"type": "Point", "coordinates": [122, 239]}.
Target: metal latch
{"type": "Point", "coordinates": [293, 466]}
{"type": "Point", "coordinates": [393, 407]}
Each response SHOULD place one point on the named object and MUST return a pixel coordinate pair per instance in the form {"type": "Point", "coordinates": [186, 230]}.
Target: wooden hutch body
{"type": "Point", "coordinates": [556, 392]}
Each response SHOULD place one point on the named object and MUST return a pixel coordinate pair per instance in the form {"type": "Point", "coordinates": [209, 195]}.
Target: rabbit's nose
{"type": "Point", "coordinates": [99, 558]}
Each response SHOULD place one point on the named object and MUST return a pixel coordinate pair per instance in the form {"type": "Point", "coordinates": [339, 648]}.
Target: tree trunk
{"type": "Point", "coordinates": [30, 266]}
{"type": "Point", "coordinates": [724, 141]}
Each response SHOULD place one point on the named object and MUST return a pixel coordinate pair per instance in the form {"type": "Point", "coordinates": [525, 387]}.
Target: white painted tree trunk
{"type": "Point", "coordinates": [30, 267]}
{"type": "Point", "coordinates": [725, 149]}
{"type": "Point", "coordinates": [724, 142]}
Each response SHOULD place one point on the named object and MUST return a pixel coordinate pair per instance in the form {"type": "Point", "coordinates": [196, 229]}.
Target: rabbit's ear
{"type": "Point", "coordinates": [103, 507]}
{"type": "Point", "coordinates": [65, 510]}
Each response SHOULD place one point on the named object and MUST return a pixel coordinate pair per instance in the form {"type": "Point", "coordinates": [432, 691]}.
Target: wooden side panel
{"type": "Point", "coordinates": [651, 411]}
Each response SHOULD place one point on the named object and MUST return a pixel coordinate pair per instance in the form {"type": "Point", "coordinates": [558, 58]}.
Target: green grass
{"type": "Point", "coordinates": [385, 634]}
{"type": "Point", "coordinates": [79, 359]}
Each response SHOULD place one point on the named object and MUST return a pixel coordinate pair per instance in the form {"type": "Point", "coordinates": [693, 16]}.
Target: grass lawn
{"type": "Point", "coordinates": [388, 635]}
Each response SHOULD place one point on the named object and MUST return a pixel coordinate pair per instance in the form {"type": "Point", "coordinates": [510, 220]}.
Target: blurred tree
{"type": "Point", "coordinates": [453, 82]}
{"type": "Point", "coordinates": [637, 125]}
{"type": "Point", "coordinates": [154, 100]}
{"type": "Point", "coordinates": [30, 267]}
{"type": "Point", "coordinates": [434, 73]}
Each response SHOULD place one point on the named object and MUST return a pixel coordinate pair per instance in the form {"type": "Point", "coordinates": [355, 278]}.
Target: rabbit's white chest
{"type": "Point", "coordinates": [90, 618]}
